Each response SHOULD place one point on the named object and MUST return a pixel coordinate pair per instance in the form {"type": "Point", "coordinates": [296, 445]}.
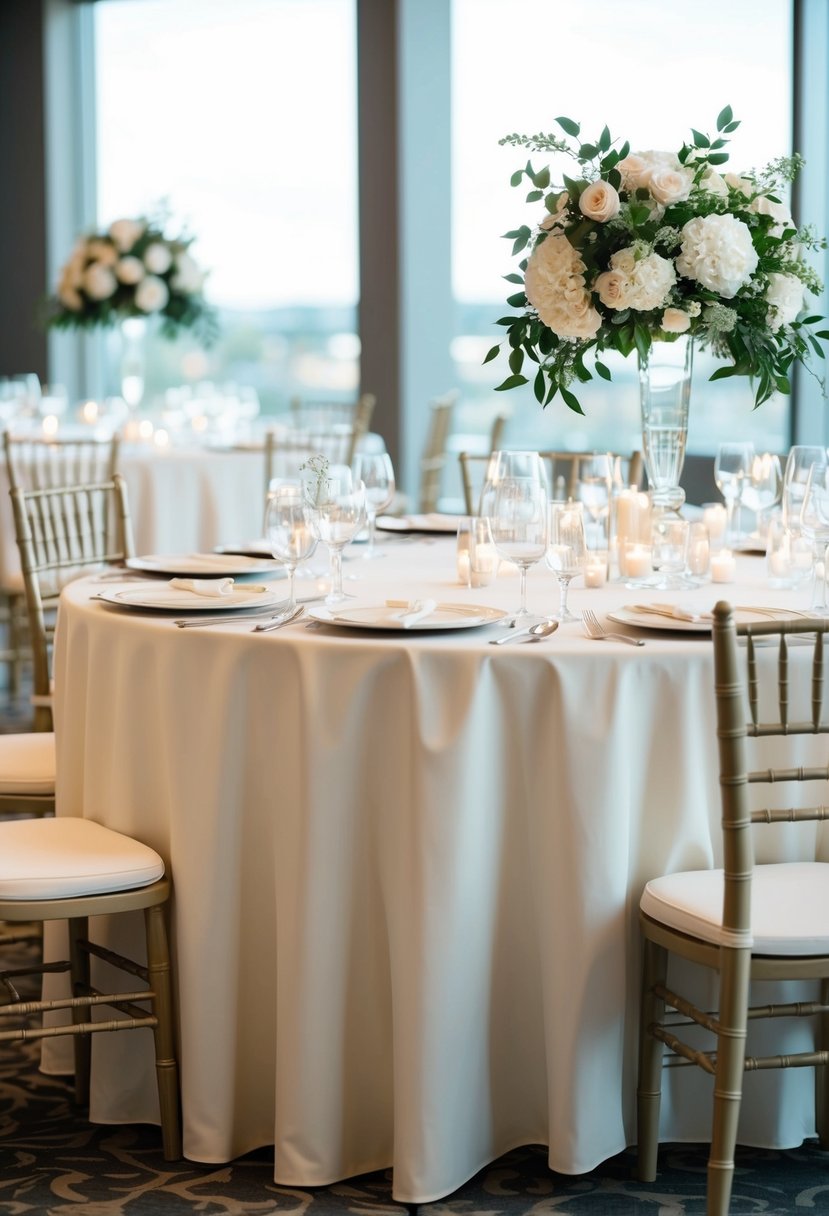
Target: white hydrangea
{"type": "Point", "coordinates": [640, 283]}
{"type": "Point", "coordinates": [717, 251]}
{"type": "Point", "coordinates": [554, 286]}
{"type": "Point", "coordinates": [784, 296]}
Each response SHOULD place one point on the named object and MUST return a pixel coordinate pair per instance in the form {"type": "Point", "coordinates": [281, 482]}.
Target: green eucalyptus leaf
{"type": "Point", "coordinates": [700, 140]}
{"type": "Point", "coordinates": [718, 158]}
{"type": "Point", "coordinates": [567, 124]}
{"type": "Point", "coordinates": [588, 151]}
{"type": "Point", "coordinates": [605, 139]}
{"type": "Point", "coordinates": [534, 196]}
{"type": "Point", "coordinates": [511, 382]}
{"type": "Point", "coordinates": [513, 278]}
{"type": "Point", "coordinates": [515, 180]}
{"type": "Point", "coordinates": [542, 178]}
{"type": "Point", "coordinates": [724, 117]}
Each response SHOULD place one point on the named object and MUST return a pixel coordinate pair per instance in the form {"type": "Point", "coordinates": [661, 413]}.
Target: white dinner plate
{"type": "Point", "coordinates": [674, 624]}
{"type": "Point", "coordinates": [381, 616]}
{"type": "Point", "coordinates": [170, 599]}
{"type": "Point", "coordinates": [204, 565]}
{"type": "Point", "coordinates": [419, 523]}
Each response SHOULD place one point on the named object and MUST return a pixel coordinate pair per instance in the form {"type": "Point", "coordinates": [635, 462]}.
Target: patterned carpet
{"type": "Point", "coordinates": [52, 1161]}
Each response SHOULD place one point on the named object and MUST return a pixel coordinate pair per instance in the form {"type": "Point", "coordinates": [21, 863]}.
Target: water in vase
{"type": "Point", "coordinates": [664, 453]}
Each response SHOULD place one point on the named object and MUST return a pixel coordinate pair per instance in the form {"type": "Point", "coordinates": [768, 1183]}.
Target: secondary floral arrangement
{"type": "Point", "coordinates": [132, 270]}
{"type": "Point", "coordinates": [640, 247]}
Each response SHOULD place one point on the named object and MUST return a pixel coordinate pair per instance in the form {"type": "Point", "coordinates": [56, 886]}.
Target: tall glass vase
{"type": "Point", "coordinates": [133, 367]}
{"type": "Point", "coordinates": [665, 394]}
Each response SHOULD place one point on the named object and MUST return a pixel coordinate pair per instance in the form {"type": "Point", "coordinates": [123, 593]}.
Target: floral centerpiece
{"type": "Point", "coordinates": [637, 248]}
{"type": "Point", "coordinates": [132, 270]}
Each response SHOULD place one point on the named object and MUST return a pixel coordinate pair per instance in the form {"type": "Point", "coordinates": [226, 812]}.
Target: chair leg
{"type": "Point", "coordinates": [728, 1079]}
{"type": "Point", "coordinates": [649, 1090]}
{"type": "Point", "coordinates": [82, 1043]}
{"type": "Point", "coordinates": [822, 1073]}
{"type": "Point", "coordinates": [166, 1067]}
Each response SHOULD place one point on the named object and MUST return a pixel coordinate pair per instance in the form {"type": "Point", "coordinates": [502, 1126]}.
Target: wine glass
{"type": "Point", "coordinates": [595, 478]}
{"type": "Point", "coordinates": [288, 531]}
{"type": "Point", "coordinates": [566, 554]}
{"type": "Point", "coordinates": [731, 468]}
{"type": "Point", "coordinates": [376, 472]}
{"type": "Point", "coordinates": [504, 465]}
{"type": "Point", "coordinates": [814, 524]}
{"type": "Point", "coordinates": [518, 522]}
{"type": "Point", "coordinates": [798, 463]}
{"type": "Point", "coordinates": [337, 511]}
{"type": "Point", "coordinates": [762, 487]}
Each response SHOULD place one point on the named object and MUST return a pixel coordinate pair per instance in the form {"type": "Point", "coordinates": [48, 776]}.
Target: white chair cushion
{"type": "Point", "coordinates": [27, 763]}
{"type": "Point", "coordinates": [789, 906]}
{"type": "Point", "coordinates": [64, 857]}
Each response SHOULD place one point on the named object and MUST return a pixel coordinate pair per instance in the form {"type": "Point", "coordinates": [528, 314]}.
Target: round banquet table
{"type": "Point", "coordinates": [407, 867]}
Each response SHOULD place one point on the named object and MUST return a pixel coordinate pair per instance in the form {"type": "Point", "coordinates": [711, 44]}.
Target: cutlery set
{"type": "Point", "coordinates": [272, 620]}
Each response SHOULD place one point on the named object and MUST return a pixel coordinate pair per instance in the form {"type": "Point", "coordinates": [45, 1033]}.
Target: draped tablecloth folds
{"type": "Point", "coordinates": [407, 868]}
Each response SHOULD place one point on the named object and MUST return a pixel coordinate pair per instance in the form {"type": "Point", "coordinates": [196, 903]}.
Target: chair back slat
{"type": "Point", "coordinates": [733, 695]}
{"type": "Point", "coordinates": [62, 533]}
{"type": "Point", "coordinates": [41, 463]}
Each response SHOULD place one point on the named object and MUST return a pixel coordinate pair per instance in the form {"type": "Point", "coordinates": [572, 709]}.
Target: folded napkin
{"type": "Point", "coordinates": [204, 586]}
{"type": "Point", "coordinates": [677, 611]}
{"type": "Point", "coordinates": [418, 610]}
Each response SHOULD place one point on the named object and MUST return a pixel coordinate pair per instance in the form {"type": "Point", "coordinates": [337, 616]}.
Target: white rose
{"type": "Point", "coordinates": [743, 185]}
{"type": "Point", "coordinates": [125, 233]}
{"type": "Point", "coordinates": [779, 212]}
{"type": "Point", "coordinates": [187, 278]}
{"type": "Point", "coordinates": [785, 299]}
{"type": "Point", "coordinates": [670, 185]}
{"type": "Point", "coordinates": [151, 294]}
{"type": "Point", "coordinates": [557, 218]}
{"type": "Point", "coordinates": [717, 251]}
{"type": "Point", "coordinates": [129, 270]}
{"type": "Point", "coordinates": [101, 251]}
{"type": "Point", "coordinates": [99, 282]}
{"type": "Point", "coordinates": [611, 288]}
{"type": "Point", "coordinates": [157, 258]}
{"type": "Point", "coordinates": [599, 202]}
{"type": "Point", "coordinates": [675, 321]}
{"type": "Point", "coordinates": [714, 184]}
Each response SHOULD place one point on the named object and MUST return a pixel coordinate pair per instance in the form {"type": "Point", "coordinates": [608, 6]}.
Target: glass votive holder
{"type": "Point", "coordinates": [477, 557]}
{"type": "Point", "coordinates": [636, 559]}
{"type": "Point", "coordinates": [596, 566]}
{"type": "Point", "coordinates": [715, 518]}
{"type": "Point", "coordinates": [669, 551]}
{"type": "Point", "coordinates": [723, 566]}
{"type": "Point", "coordinates": [699, 550]}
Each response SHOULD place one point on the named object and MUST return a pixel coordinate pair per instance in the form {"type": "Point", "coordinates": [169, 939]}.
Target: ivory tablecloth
{"type": "Point", "coordinates": [407, 870]}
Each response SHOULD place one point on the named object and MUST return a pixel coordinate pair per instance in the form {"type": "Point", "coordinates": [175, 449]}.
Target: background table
{"type": "Point", "coordinates": [407, 871]}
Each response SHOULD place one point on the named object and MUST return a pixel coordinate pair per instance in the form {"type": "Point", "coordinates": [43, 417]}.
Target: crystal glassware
{"type": "Point", "coordinates": [337, 511]}
{"type": "Point", "coordinates": [288, 532]}
{"type": "Point", "coordinates": [376, 472]}
{"type": "Point", "coordinates": [731, 468]}
{"type": "Point", "coordinates": [505, 465]}
{"type": "Point", "coordinates": [814, 524]}
{"type": "Point", "coordinates": [800, 460]}
{"type": "Point", "coordinates": [762, 487]}
{"type": "Point", "coordinates": [566, 553]}
{"type": "Point", "coordinates": [518, 522]}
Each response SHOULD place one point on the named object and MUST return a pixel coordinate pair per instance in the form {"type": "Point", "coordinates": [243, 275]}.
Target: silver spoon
{"type": "Point", "coordinates": [535, 633]}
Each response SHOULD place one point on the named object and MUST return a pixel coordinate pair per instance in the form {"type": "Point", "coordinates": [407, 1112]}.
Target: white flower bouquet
{"type": "Point", "coordinates": [132, 270]}
{"type": "Point", "coordinates": [640, 247]}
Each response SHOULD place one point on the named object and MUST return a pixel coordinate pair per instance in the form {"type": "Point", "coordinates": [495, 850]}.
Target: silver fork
{"type": "Point", "coordinates": [596, 630]}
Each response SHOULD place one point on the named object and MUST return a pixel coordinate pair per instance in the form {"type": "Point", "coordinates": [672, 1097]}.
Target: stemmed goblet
{"type": "Point", "coordinates": [337, 506]}
{"type": "Point", "coordinates": [518, 522]}
{"type": "Point", "coordinates": [566, 554]}
{"type": "Point", "coordinates": [376, 471]}
{"type": "Point", "coordinates": [801, 459]}
{"type": "Point", "coordinates": [763, 487]}
{"type": "Point", "coordinates": [814, 523]}
{"type": "Point", "coordinates": [503, 466]}
{"type": "Point", "coordinates": [595, 480]}
{"type": "Point", "coordinates": [731, 469]}
{"type": "Point", "coordinates": [288, 532]}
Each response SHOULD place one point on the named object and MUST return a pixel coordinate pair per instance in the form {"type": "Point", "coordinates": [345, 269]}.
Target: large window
{"type": "Point", "coordinates": [650, 71]}
{"type": "Point", "coordinates": [240, 119]}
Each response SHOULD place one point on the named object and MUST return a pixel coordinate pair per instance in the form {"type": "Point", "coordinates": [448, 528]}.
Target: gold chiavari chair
{"type": "Point", "coordinates": [72, 869]}
{"type": "Point", "coordinates": [325, 418]}
{"type": "Point", "coordinates": [747, 921]}
{"type": "Point", "coordinates": [433, 459]}
{"type": "Point", "coordinates": [37, 462]}
{"type": "Point", "coordinates": [62, 533]}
